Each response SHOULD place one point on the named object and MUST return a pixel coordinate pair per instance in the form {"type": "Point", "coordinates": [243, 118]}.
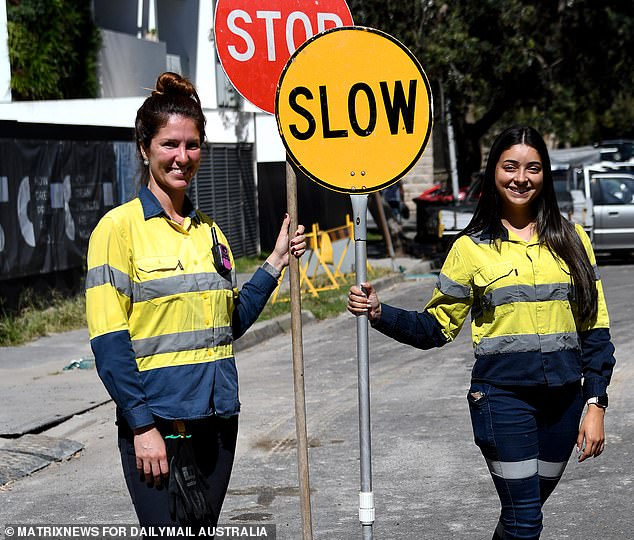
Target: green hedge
{"type": "Point", "coordinates": [53, 48]}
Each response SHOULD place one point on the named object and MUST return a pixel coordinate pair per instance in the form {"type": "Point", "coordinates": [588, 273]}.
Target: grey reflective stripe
{"type": "Point", "coordinates": [101, 275]}
{"type": "Point", "coordinates": [526, 293]}
{"type": "Point", "coordinates": [513, 470]}
{"type": "Point", "coordinates": [184, 283]}
{"type": "Point", "coordinates": [183, 341]}
{"type": "Point", "coordinates": [551, 469]}
{"type": "Point", "coordinates": [452, 288]}
{"type": "Point", "coordinates": [527, 343]}
{"type": "Point", "coordinates": [597, 274]}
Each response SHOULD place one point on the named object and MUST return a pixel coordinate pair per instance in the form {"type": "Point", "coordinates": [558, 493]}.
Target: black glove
{"type": "Point", "coordinates": [187, 485]}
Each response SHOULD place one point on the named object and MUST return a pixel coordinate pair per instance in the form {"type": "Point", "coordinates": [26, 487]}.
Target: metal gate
{"type": "Point", "coordinates": [224, 189]}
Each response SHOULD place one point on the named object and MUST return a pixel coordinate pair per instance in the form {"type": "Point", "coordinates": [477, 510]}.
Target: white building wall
{"type": "Point", "coordinates": [205, 66]}
{"type": "Point", "coordinates": [121, 112]}
{"type": "Point", "coordinates": [269, 146]}
{"type": "Point", "coordinates": [185, 27]}
{"type": "Point", "coordinates": [129, 66]}
{"type": "Point", "coordinates": [5, 65]}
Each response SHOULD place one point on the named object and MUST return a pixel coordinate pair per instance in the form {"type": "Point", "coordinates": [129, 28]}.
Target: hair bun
{"type": "Point", "coordinates": [170, 83]}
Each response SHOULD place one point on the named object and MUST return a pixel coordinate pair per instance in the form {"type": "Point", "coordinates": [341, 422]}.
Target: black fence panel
{"type": "Point", "coordinates": [225, 190]}
{"type": "Point", "coordinates": [52, 193]}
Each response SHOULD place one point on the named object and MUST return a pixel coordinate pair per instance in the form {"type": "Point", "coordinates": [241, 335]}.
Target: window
{"type": "Point", "coordinates": [615, 190]}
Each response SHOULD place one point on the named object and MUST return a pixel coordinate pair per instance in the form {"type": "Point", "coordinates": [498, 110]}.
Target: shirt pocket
{"type": "Point", "coordinates": [158, 276]}
{"type": "Point", "coordinates": [496, 289]}
{"type": "Point", "coordinates": [157, 264]}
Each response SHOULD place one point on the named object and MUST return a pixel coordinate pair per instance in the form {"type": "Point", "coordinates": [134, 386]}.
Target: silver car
{"type": "Point", "coordinates": [613, 202]}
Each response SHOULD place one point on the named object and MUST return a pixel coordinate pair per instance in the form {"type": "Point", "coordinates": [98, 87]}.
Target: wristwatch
{"type": "Point", "coordinates": [599, 401]}
{"type": "Point", "coordinates": [271, 270]}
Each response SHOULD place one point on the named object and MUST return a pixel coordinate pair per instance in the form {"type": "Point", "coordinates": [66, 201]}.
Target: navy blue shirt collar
{"type": "Point", "coordinates": [488, 234]}
{"type": "Point", "coordinates": [152, 207]}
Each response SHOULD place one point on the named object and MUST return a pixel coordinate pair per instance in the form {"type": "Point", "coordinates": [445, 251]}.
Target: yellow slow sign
{"type": "Point", "coordinates": [354, 109]}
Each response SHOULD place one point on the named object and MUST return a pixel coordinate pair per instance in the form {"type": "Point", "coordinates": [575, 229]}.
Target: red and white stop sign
{"type": "Point", "coordinates": [255, 38]}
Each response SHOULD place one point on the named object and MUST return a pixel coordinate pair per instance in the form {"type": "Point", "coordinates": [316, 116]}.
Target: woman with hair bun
{"type": "Point", "coordinates": [163, 311]}
{"type": "Point", "coordinates": [540, 330]}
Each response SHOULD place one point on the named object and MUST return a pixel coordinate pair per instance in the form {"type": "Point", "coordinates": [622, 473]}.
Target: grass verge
{"type": "Point", "coordinates": [329, 303]}
{"type": "Point", "coordinates": [39, 318]}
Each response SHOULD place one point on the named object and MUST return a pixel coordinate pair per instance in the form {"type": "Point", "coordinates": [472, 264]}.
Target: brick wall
{"type": "Point", "coordinates": [419, 178]}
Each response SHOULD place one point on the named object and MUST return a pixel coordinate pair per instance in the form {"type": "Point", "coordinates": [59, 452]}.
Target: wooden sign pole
{"type": "Point", "coordinates": [298, 363]}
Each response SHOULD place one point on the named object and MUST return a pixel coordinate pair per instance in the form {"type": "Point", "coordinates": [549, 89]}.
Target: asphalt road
{"type": "Point", "coordinates": [429, 479]}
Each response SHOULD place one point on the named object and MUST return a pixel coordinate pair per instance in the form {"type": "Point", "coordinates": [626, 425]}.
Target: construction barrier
{"type": "Point", "coordinates": [328, 254]}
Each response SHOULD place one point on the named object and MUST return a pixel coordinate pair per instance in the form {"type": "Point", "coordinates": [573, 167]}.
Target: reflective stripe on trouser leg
{"type": "Point", "coordinates": [512, 470]}
{"type": "Point", "coordinates": [523, 469]}
{"type": "Point", "coordinates": [516, 483]}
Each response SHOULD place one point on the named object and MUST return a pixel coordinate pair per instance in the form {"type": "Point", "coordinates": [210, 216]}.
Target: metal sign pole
{"type": "Point", "coordinates": [298, 364]}
{"type": "Point", "coordinates": [366, 496]}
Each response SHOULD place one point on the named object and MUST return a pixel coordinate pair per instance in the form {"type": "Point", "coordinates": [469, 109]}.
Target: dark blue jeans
{"type": "Point", "coordinates": [214, 441]}
{"type": "Point", "coordinates": [526, 435]}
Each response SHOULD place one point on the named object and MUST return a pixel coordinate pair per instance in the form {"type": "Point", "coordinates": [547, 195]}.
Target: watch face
{"type": "Point", "coordinates": [602, 400]}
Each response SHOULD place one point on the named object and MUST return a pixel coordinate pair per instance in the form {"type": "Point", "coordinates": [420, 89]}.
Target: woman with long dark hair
{"type": "Point", "coordinates": [540, 330]}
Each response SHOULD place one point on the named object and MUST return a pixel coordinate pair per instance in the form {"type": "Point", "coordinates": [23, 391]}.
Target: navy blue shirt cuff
{"type": "Point", "coordinates": [388, 319]}
{"type": "Point", "coordinates": [138, 417]}
{"type": "Point", "coordinates": [598, 361]}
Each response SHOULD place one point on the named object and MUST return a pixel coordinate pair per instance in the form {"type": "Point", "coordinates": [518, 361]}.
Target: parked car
{"type": "Point", "coordinates": [431, 203]}
{"type": "Point", "coordinates": [440, 194]}
{"type": "Point", "coordinates": [613, 203]}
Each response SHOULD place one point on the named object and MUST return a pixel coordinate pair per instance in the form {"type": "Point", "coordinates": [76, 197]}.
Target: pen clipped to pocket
{"type": "Point", "coordinates": [220, 254]}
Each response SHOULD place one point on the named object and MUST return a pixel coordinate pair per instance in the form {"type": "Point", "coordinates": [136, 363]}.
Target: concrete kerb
{"type": "Point", "coordinates": [264, 330]}
{"type": "Point", "coordinates": [32, 452]}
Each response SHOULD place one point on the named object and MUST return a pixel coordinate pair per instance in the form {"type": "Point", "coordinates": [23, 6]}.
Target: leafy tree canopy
{"type": "Point", "coordinates": [564, 66]}
{"type": "Point", "coordinates": [53, 48]}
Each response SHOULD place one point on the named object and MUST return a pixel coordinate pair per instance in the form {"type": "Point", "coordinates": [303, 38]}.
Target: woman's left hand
{"type": "Point", "coordinates": [297, 245]}
{"type": "Point", "coordinates": [591, 438]}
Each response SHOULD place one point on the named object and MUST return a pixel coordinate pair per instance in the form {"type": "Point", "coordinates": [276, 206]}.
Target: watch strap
{"type": "Point", "coordinates": [599, 401]}
{"type": "Point", "coordinates": [271, 270]}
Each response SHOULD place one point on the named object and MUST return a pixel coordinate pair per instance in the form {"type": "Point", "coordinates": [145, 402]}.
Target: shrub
{"type": "Point", "coordinates": [53, 49]}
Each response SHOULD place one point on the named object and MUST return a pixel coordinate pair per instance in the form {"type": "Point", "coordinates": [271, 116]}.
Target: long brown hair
{"type": "Point", "coordinates": [174, 95]}
{"type": "Point", "coordinates": [553, 230]}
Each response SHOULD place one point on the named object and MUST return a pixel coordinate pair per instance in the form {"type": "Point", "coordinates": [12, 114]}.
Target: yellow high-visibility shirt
{"type": "Point", "coordinates": [524, 320]}
{"type": "Point", "coordinates": [160, 315]}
